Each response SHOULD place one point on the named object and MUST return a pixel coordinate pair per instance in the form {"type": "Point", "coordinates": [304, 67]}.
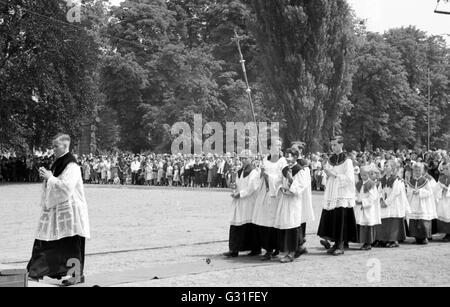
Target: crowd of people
{"type": "Point", "coordinates": [200, 171]}
{"type": "Point", "coordinates": [372, 199]}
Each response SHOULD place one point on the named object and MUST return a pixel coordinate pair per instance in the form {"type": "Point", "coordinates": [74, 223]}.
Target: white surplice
{"type": "Point", "coordinates": [423, 204]}
{"type": "Point", "coordinates": [242, 208]}
{"type": "Point", "coordinates": [340, 191]}
{"type": "Point", "coordinates": [369, 213]}
{"type": "Point", "coordinates": [396, 201]}
{"type": "Point", "coordinates": [443, 202]}
{"type": "Point", "coordinates": [294, 210]}
{"type": "Point", "coordinates": [267, 199]}
{"type": "Point", "coordinates": [64, 208]}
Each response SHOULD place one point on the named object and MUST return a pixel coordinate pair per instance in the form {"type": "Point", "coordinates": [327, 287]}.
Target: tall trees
{"type": "Point", "coordinates": [307, 48]}
{"type": "Point", "coordinates": [177, 48]}
{"type": "Point", "coordinates": [383, 105]}
{"type": "Point", "coordinates": [422, 54]}
{"type": "Point", "coordinates": [136, 69]}
{"type": "Point", "coordinates": [46, 72]}
{"type": "Point", "coordinates": [390, 90]}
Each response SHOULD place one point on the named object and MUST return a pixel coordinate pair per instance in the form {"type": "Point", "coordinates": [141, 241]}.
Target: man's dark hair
{"type": "Point", "coordinates": [293, 151]}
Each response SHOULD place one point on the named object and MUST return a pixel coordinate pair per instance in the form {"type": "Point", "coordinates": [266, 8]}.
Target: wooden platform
{"type": "Point", "coordinates": [14, 278]}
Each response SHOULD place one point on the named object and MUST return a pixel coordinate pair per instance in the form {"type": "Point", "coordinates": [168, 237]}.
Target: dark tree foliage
{"type": "Point", "coordinates": [306, 49]}
{"type": "Point", "coordinates": [47, 66]}
{"type": "Point", "coordinates": [134, 70]}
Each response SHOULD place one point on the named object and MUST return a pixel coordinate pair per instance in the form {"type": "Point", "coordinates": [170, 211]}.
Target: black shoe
{"type": "Point", "coordinates": [366, 247]}
{"type": "Point", "coordinates": [255, 253]}
{"type": "Point", "coordinates": [332, 249]}
{"type": "Point", "coordinates": [267, 256]}
{"type": "Point", "coordinates": [376, 244]}
{"type": "Point", "coordinates": [380, 244]}
{"type": "Point", "coordinates": [231, 254]}
{"type": "Point", "coordinates": [392, 245]}
{"type": "Point", "coordinates": [287, 259]}
{"type": "Point", "coordinates": [300, 252]}
{"type": "Point", "coordinates": [72, 281]}
{"type": "Point", "coordinates": [33, 279]}
{"type": "Point", "coordinates": [325, 244]}
{"type": "Point", "coordinates": [337, 252]}
{"type": "Point", "coordinates": [422, 241]}
{"type": "Point", "coordinates": [346, 245]}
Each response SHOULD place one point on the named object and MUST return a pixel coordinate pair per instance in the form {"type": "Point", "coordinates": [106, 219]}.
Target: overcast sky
{"type": "Point", "coordinates": [382, 15]}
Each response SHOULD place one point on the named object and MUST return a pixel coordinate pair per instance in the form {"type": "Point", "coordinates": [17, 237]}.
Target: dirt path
{"type": "Point", "coordinates": [139, 234]}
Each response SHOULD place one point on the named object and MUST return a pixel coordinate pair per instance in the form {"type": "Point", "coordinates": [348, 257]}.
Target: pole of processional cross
{"type": "Point", "coordinates": [237, 39]}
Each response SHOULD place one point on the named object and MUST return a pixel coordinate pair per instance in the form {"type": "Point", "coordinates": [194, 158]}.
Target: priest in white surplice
{"type": "Point", "coordinates": [338, 222]}
{"type": "Point", "coordinates": [63, 227]}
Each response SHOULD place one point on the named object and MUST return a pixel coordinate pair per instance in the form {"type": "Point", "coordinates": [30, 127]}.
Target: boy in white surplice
{"type": "Point", "coordinates": [243, 233]}
{"type": "Point", "coordinates": [423, 206]}
{"type": "Point", "coordinates": [367, 209]}
{"type": "Point", "coordinates": [442, 194]}
{"type": "Point", "coordinates": [294, 208]}
{"type": "Point", "coordinates": [394, 207]}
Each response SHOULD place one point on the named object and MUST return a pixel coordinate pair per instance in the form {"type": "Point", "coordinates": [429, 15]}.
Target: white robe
{"type": "Point", "coordinates": [396, 201]}
{"type": "Point", "coordinates": [443, 202]}
{"type": "Point", "coordinates": [294, 210]}
{"type": "Point", "coordinates": [307, 205]}
{"type": "Point", "coordinates": [434, 186]}
{"type": "Point", "coordinates": [64, 208]}
{"type": "Point", "coordinates": [340, 191]}
{"type": "Point", "coordinates": [423, 205]}
{"type": "Point", "coordinates": [369, 213]}
{"type": "Point", "coordinates": [267, 201]}
{"type": "Point", "coordinates": [242, 208]}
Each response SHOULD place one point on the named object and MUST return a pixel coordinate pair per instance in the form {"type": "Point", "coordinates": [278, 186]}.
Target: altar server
{"type": "Point", "coordinates": [394, 207]}
{"type": "Point", "coordinates": [242, 236]}
{"type": "Point", "coordinates": [294, 209]}
{"type": "Point", "coordinates": [423, 207]}
{"type": "Point", "coordinates": [442, 194]}
{"type": "Point", "coordinates": [367, 209]}
{"type": "Point", "coordinates": [267, 200]}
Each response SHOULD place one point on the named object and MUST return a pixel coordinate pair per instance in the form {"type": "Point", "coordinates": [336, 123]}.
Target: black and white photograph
{"type": "Point", "coordinates": [224, 148]}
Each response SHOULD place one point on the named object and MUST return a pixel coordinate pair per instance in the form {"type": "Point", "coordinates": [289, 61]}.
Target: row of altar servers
{"type": "Point", "coordinates": [272, 205]}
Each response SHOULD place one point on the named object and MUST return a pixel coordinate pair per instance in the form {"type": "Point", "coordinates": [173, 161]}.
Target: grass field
{"type": "Point", "coordinates": [139, 234]}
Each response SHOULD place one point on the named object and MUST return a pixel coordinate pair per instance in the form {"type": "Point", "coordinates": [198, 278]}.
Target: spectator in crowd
{"type": "Point", "coordinates": [135, 166]}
